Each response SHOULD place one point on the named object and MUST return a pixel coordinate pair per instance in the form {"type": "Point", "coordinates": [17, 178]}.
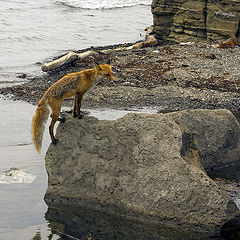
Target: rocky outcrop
{"type": "Point", "coordinates": [146, 166]}
{"type": "Point", "coordinates": [194, 20]}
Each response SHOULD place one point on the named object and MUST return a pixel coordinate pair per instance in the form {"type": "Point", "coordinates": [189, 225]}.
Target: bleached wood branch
{"type": "Point", "coordinates": [66, 59]}
{"type": "Point", "coordinates": [149, 41]}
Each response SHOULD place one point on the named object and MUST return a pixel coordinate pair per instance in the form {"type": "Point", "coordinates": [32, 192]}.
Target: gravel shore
{"type": "Point", "coordinates": [167, 77]}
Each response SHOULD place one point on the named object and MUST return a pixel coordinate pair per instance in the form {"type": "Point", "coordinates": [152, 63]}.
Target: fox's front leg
{"type": "Point", "coordinates": [74, 114]}
{"type": "Point", "coordinates": [77, 106]}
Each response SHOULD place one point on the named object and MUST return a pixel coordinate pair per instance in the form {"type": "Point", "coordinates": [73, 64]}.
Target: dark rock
{"type": "Point", "coordinates": [231, 229]}
{"type": "Point", "coordinates": [23, 75]}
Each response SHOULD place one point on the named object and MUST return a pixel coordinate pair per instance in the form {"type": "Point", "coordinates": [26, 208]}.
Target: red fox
{"type": "Point", "coordinates": [71, 84]}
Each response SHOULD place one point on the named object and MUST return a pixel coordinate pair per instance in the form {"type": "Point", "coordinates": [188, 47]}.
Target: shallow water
{"type": "Point", "coordinates": [22, 207]}
{"type": "Point", "coordinates": [23, 212]}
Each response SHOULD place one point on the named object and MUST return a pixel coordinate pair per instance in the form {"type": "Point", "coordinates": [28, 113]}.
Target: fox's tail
{"type": "Point", "coordinates": [38, 123]}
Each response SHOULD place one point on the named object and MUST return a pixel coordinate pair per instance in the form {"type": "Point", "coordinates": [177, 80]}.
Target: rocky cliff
{"type": "Point", "coordinates": [147, 167]}
{"type": "Point", "coordinates": [194, 20]}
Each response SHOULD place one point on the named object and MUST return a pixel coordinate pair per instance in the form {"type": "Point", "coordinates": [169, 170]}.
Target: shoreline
{"type": "Point", "coordinates": [168, 77]}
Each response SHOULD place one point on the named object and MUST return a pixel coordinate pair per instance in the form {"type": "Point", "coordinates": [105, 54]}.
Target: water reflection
{"type": "Point", "coordinates": [77, 223]}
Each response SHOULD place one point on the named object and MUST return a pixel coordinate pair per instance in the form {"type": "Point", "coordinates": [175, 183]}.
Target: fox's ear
{"type": "Point", "coordinates": [95, 63]}
{"type": "Point", "coordinates": [108, 62]}
{"type": "Point", "coordinates": [98, 66]}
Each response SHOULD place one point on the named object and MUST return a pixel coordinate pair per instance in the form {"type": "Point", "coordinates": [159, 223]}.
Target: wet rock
{"type": "Point", "coordinates": [146, 167]}
{"type": "Point", "coordinates": [22, 75]}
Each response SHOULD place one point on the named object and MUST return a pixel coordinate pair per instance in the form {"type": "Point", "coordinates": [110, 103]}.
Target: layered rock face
{"type": "Point", "coordinates": [147, 167]}
{"type": "Point", "coordinates": [194, 20]}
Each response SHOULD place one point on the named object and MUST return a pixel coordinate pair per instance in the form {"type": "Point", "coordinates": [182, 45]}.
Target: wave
{"type": "Point", "coordinates": [103, 4]}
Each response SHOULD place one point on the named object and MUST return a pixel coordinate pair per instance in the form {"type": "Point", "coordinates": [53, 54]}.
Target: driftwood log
{"type": "Point", "coordinates": [66, 59]}
{"type": "Point", "coordinates": [149, 41]}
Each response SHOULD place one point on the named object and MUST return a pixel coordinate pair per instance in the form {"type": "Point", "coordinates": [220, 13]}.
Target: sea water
{"type": "Point", "coordinates": [32, 32]}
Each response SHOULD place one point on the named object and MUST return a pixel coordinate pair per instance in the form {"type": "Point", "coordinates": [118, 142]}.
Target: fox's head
{"type": "Point", "coordinates": [105, 70]}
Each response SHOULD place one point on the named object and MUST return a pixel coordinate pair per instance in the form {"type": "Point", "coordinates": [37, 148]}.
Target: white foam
{"type": "Point", "coordinates": [15, 175]}
{"type": "Point", "coordinates": [103, 4]}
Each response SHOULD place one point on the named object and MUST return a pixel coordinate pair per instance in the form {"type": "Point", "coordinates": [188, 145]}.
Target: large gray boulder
{"type": "Point", "coordinates": [146, 166]}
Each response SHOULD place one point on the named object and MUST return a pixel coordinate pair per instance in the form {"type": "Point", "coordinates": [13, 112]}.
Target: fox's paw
{"type": "Point", "coordinates": [55, 141]}
{"type": "Point", "coordinates": [80, 116]}
{"type": "Point", "coordinates": [62, 119]}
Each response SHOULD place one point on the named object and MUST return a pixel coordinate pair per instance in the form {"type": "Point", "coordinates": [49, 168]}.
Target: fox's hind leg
{"type": "Point", "coordinates": [56, 107]}
{"type": "Point", "coordinates": [60, 119]}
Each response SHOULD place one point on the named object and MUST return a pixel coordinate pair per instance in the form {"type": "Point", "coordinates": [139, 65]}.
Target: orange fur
{"type": "Point", "coordinates": [71, 84]}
